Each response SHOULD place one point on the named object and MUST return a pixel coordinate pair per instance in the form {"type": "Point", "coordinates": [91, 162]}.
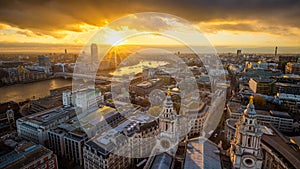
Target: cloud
{"type": "Point", "coordinates": [52, 17]}
{"type": "Point", "coordinates": [254, 27]}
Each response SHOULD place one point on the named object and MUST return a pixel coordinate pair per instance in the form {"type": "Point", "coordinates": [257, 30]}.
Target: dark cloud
{"type": "Point", "coordinates": [46, 17]}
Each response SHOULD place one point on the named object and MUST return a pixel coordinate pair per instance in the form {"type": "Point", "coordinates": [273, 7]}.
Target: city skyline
{"type": "Point", "coordinates": [150, 84]}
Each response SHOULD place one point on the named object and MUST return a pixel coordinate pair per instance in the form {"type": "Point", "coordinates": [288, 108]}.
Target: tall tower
{"type": "Point", "coordinates": [276, 48]}
{"type": "Point", "coordinates": [167, 124]}
{"type": "Point", "coordinates": [94, 53]}
{"type": "Point", "coordinates": [239, 52]}
{"type": "Point", "coordinates": [10, 117]}
{"type": "Point", "coordinates": [245, 150]}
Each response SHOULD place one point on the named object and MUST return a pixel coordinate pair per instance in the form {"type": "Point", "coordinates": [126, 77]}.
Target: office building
{"type": "Point", "coordinates": [283, 60]}
{"type": "Point", "coordinates": [28, 155]}
{"type": "Point", "coordinates": [292, 68]}
{"type": "Point", "coordinates": [143, 88]}
{"type": "Point", "coordinates": [288, 88]}
{"type": "Point", "coordinates": [262, 86]}
{"type": "Point", "coordinates": [86, 99]}
{"type": "Point", "coordinates": [116, 148]}
{"type": "Point", "coordinates": [67, 141]}
{"type": "Point", "coordinates": [239, 52]}
{"type": "Point", "coordinates": [291, 103]}
{"type": "Point", "coordinates": [34, 127]}
{"type": "Point", "coordinates": [281, 120]}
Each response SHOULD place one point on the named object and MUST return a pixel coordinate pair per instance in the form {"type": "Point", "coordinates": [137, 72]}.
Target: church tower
{"type": "Point", "coordinates": [167, 124]}
{"type": "Point", "coordinates": [245, 150]}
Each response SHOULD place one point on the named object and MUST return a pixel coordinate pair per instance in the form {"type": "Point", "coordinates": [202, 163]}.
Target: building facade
{"type": "Point", "coordinates": [34, 127]}
{"type": "Point", "coordinates": [263, 86]}
{"type": "Point", "coordinates": [28, 155]}
{"type": "Point", "coordinates": [292, 68]}
{"type": "Point", "coordinates": [67, 141]}
{"type": "Point", "coordinates": [245, 150]}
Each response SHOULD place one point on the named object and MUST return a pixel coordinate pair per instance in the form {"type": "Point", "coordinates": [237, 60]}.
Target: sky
{"type": "Point", "coordinates": [229, 24]}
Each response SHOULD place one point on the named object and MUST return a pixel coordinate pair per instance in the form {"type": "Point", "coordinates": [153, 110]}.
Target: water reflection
{"type": "Point", "coordinates": [21, 92]}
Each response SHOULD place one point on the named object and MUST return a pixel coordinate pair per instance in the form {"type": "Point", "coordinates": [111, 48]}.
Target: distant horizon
{"type": "Point", "coordinates": [34, 48]}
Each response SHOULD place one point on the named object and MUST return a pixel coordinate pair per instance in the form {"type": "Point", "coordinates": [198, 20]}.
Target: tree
{"type": "Point", "coordinates": [259, 101]}
{"type": "Point", "coordinates": [154, 111]}
{"type": "Point", "coordinates": [145, 103]}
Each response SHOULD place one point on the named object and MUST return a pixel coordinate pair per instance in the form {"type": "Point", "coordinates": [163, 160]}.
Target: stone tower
{"type": "Point", "coordinates": [245, 150]}
{"type": "Point", "coordinates": [168, 124]}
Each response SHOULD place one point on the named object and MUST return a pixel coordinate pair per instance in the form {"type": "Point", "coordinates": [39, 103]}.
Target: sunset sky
{"type": "Point", "coordinates": [231, 23]}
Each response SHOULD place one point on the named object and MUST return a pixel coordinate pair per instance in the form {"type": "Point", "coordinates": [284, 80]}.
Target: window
{"type": "Point", "coordinates": [249, 142]}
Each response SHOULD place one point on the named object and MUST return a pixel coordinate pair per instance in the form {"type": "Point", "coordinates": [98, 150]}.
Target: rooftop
{"type": "Point", "coordinates": [239, 108]}
{"type": "Point", "coordinates": [47, 117]}
{"type": "Point", "coordinates": [97, 115]}
{"type": "Point", "coordinates": [48, 102]}
{"type": "Point", "coordinates": [278, 143]}
{"type": "Point", "coordinates": [263, 80]}
{"type": "Point", "coordinates": [24, 156]}
{"type": "Point", "coordinates": [286, 96]}
{"type": "Point", "coordinates": [162, 160]}
{"type": "Point", "coordinates": [280, 114]}
{"type": "Point", "coordinates": [287, 84]}
{"type": "Point", "coordinates": [111, 139]}
{"type": "Point", "coordinates": [201, 154]}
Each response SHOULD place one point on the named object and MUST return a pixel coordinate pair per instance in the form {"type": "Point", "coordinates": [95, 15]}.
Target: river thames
{"type": "Point", "coordinates": [21, 92]}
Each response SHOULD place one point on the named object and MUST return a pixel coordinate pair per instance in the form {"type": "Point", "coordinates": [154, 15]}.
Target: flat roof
{"type": "Point", "coordinates": [289, 96]}
{"type": "Point", "coordinates": [287, 84]}
{"type": "Point", "coordinates": [49, 102]}
{"type": "Point", "coordinates": [235, 107]}
{"type": "Point", "coordinates": [263, 80]}
{"type": "Point", "coordinates": [17, 159]}
{"type": "Point", "coordinates": [280, 114]}
{"type": "Point", "coordinates": [201, 154]}
{"type": "Point", "coordinates": [49, 116]}
{"type": "Point", "coordinates": [98, 115]}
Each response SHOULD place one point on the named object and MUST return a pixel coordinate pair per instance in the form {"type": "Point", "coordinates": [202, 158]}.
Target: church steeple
{"type": "Point", "coordinates": [168, 120]}
{"type": "Point", "coordinates": [245, 151]}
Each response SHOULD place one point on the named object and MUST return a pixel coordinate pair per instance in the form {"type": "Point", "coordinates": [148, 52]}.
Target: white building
{"type": "Point", "coordinates": [34, 127]}
{"type": "Point", "coordinates": [85, 99]}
